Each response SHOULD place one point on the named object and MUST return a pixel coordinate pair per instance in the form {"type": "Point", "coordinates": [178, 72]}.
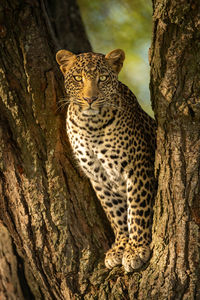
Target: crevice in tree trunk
{"type": "Point", "coordinates": [22, 276]}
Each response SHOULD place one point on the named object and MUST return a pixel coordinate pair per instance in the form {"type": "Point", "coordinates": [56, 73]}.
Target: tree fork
{"type": "Point", "coordinates": [49, 208]}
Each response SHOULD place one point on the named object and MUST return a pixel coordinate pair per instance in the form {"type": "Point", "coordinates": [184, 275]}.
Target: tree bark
{"type": "Point", "coordinates": [58, 230]}
{"type": "Point", "coordinates": [46, 203]}
{"type": "Point", "coordinates": [11, 269]}
{"type": "Point", "coordinates": [174, 270]}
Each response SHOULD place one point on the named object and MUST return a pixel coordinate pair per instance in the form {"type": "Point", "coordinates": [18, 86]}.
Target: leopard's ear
{"type": "Point", "coordinates": [115, 59]}
{"type": "Point", "coordinates": [65, 59]}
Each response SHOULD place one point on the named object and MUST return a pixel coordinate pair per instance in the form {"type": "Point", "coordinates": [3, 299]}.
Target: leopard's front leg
{"type": "Point", "coordinates": [140, 191]}
{"type": "Point", "coordinates": [115, 207]}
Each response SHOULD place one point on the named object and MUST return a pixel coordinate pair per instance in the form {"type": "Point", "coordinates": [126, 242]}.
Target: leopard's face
{"type": "Point", "coordinates": [91, 80]}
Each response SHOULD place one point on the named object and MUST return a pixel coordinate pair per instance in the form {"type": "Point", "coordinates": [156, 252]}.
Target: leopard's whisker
{"type": "Point", "coordinates": [62, 106]}
{"type": "Point", "coordinates": [63, 101]}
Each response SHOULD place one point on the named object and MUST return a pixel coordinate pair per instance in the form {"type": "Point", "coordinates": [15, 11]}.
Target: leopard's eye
{"type": "Point", "coordinates": [103, 77]}
{"type": "Point", "coordinates": [78, 77]}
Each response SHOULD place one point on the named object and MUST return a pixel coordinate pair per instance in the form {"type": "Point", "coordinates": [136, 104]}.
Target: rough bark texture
{"type": "Point", "coordinates": [58, 231]}
{"type": "Point", "coordinates": [11, 269]}
{"type": "Point", "coordinates": [46, 204]}
{"type": "Point", "coordinates": [174, 270]}
{"type": "Point", "coordinates": [65, 25]}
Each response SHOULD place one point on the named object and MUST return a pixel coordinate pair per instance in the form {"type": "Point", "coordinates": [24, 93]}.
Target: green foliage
{"type": "Point", "coordinates": [124, 24]}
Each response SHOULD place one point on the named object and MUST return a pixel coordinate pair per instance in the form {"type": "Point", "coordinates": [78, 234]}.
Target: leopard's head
{"type": "Point", "coordinates": [91, 79]}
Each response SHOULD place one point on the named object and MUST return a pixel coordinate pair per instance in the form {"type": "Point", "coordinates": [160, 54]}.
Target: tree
{"type": "Point", "coordinates": [58, 232]}
{"type": "Point", "coordinates": [174, 270]}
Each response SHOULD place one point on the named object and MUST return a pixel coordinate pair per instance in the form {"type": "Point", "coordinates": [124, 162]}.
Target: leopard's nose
{"type": "Point", "coordinates": [90, 99]}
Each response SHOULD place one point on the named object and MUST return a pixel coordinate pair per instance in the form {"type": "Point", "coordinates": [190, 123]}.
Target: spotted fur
{"type": "Point", "coordinates": [113, 140]}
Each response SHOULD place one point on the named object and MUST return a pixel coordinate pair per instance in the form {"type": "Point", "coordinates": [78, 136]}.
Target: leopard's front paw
{"type": "Point", "coordinates": [113, 258]}
{"type": "Point", "coordinates": [135, 257]}
{"type": "Point", "coordinates": [114, 255]}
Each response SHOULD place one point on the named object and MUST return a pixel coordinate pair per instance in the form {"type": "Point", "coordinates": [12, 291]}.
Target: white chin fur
{"type": "Point", "coordinates": [90, 112]}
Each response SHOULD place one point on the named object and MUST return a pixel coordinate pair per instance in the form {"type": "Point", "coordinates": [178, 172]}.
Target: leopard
{"type": "Point", "coordinates": [113, 140]}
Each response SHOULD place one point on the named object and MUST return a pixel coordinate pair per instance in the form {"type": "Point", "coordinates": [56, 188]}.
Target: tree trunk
{"type": "Point", "coordinates": [174, 270]}
{"type": "Point", "coordinates": [59, 229]}
{"type": "Point", "coordinates": [47, 205]}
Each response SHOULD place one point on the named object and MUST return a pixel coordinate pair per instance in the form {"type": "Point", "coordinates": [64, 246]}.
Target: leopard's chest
{"type": "Point", "coordinates": [98, 152]}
